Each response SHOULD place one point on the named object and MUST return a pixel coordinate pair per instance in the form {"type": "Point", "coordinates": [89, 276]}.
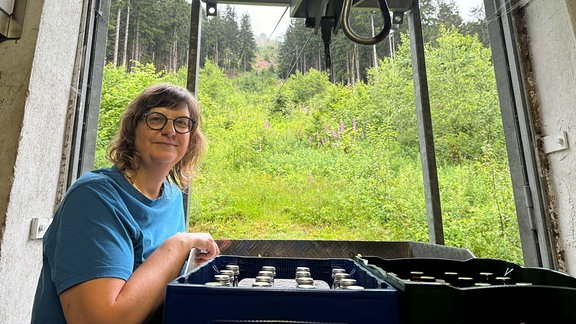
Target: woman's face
{"type": "Point", "coordinates": [162, 147]}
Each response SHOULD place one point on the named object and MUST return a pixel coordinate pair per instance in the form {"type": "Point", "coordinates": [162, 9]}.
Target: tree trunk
{"type": "Point", "coordinates": [125, 56]}
{"type": "Point", "coordinates": [353, 66]}
{"type": "Point", "coordinates": [392, 44]}
{"type": "Point", "coordinates": [296, 61]}
{"type": "Point", "coordinates": [175, 50]}
{"type": "Point", "coordinates": [129, 67]}
{"type": "Point", "coordinates": [137, 56]}
{"type": "Point", "coordinates": [374, 54]}
{"type": "Point", "coordinates": [117, 40]}
{"type": "Point", "coordinates": [174, 56]}
{"type": "Point", "coordinates": [357, 62]}
{"type": "Point", "coordinates": [216, 52]}
{"type": "Point", "coordinates": [348, 71]}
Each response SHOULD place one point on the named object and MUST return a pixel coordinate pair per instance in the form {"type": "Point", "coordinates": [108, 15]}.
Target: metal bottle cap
{"type": "Point", "coordinates": [261, 284]}
{"type": "Point", "coordinates": [345, 282]}
{"type": "Point", "coordinates": [305, 281]}
{"type": "Point", "coordinates": [233, 267]}
{"type": "Point", "coordinates": [302, 274]}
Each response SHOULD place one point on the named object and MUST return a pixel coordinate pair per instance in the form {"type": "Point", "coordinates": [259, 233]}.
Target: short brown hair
{"type": "Point", "coordinates": [122, 151]}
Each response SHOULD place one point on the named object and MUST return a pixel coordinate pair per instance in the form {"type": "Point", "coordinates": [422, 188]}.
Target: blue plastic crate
{"type": "Point", "coordinates": [189, 300]}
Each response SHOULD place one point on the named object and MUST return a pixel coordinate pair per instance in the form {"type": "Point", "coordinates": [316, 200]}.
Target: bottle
{"type": "Point", "coordinates": [503, 280]}
{"type": "Point", "coordinates": [487, 277]}
{"type": "Point", "coordinates": [213, 283]}
{"type": "Point", "coordinates": [303, 274]}
{"type": "Point", "coordinates": [223, 279]}
{"type": "Point", "coordinates": [347, 282]}
{"type": "Point", "coordinates": [236, 269]}
{"type": "Point", "coordinates": [337, 270]}
{"type": "Point", "coordinates": [306, 286]}
{"type": "Point", "coordinates": [451, 278]}
{"type": "Point", "coordinates": [266, 273]}
{"type": "Point", "coordinates": [267, 279]}
{"type": "Point", "coordinates": [481, 284]}
{"type": "Point", "coordinates": [230, 273]}
{"type": "Point", "coordinates": [523, 284]}
{"type": "Point", "coordinates": [261, 284]}
{"type": "Point", "coordinates": [338, 276]}
{"type": "Point", "coordinates": [304, 281]}
{"type": "Point", "coordinates": [271, 269]}
{"type": "Point", "coordinates": [427, 279]}
{"type": "Point", "coordinates": [334, 272]}
{"type": "Point", "coordinates": [464, 282]}
{"type": "Point", "coordinates": [269, 274]}
{"type": "Point", "coordinates": [353, 287]}
{"type": "Point", "coordinates": [415, 275]}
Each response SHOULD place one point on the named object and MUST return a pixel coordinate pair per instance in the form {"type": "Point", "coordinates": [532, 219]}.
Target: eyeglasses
{"type": "Point", "coordinates": [157, 121]}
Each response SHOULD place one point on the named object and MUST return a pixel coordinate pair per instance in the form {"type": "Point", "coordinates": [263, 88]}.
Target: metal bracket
{"type": "Point", "coordinates": [555, 143]}
{"type": "Point", "coordinates": [11, 19]}
{"type": "Point", "coordinates": [39, 226]}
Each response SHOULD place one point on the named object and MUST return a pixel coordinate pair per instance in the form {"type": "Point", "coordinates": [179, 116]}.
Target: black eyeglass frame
{"type": "Point", "coordinates": [192, 122]}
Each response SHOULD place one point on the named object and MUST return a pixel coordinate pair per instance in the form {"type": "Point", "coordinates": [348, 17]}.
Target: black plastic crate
{"type": "Point", "coordinates": [189, 300]}
{"type": "Point", "coordinates": [550, 297]}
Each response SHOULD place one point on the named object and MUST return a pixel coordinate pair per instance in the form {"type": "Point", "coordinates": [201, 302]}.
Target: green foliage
{"type": "Point", "coordinates": [458, 65]}
{"type": "Point", "coordinates": [215, 84]}
{"type": "Point", "coordinates": [308, 159]}
{"type": "Point", "coordinates": [298, 91]}
{"type": "Point", "coordinates": [256, 82]}
{"type": "Point", "coordinates": [461, 65]}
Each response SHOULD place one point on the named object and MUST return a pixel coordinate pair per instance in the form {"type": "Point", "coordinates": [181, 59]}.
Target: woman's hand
{"type": "Point", "coordinates": [205, 244]}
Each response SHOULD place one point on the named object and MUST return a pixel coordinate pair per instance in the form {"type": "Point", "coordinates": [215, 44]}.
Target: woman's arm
{"type": "Point", "coordinates": [113, 300]}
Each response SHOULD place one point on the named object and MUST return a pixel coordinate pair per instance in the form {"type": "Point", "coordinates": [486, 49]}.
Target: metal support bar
{"type": "Point", "coordinates": [326, 39]}
{"type": "Point", "coordinates": [88, 90]}
{"type": "Point", "coordinates": [519, 136]}
{"type": "Point", "coordinates": [425, 134]}
{"type": "Point", "coordinates": [192, 77]}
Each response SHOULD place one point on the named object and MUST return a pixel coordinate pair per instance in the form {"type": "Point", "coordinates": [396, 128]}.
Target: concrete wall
{"type": "Point", "coordinates": [551, 38]}
{"type": "Point", "coordinates": [36, 75]}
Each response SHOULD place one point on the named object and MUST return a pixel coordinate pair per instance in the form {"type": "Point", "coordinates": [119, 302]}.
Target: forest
{"type": "Point", "coordinates": [148, 31]}
{"type": "Point", "coordinates": [293, 155]}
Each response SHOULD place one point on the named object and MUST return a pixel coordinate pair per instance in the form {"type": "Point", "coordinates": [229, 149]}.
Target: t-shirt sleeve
{"type": "Point", "coordinates": [98, 239]}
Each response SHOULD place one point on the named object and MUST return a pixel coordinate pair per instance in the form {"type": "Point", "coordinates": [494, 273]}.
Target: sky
{"type": "Point", "coordinates": [265, 18]}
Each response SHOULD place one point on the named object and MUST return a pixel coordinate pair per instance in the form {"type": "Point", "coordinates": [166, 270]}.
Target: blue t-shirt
{"type": "Point", "coordinates": [103, 228]}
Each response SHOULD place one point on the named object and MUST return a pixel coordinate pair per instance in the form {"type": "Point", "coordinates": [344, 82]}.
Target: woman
{"type": "Point", "coordinates": [118, 238]}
